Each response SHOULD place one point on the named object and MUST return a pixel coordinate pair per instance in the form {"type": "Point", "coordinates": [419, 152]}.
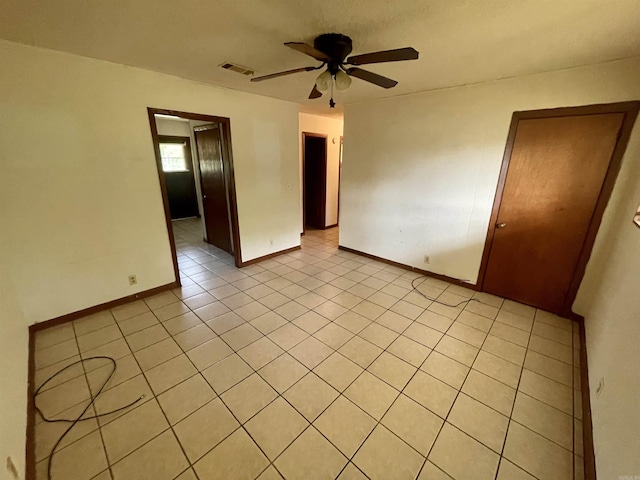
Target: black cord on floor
{"type": "Point", "coordinates": [80, 418]}
{"type": "Point", "coordinates": [424, 277]}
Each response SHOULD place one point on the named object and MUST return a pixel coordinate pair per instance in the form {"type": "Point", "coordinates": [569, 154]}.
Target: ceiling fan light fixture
{"type": "Point", "coordinates": [343, 81]}
{"type": "Point", "coordinates": [323, 82]}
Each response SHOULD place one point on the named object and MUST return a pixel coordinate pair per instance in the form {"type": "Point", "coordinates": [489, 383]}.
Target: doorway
{"type": "Point", "coordinates": [557, 175]}
{"type": "Point", "coordinates": [211, 169]}
{"type": "Point", "coordinates": [177, 166]}
{"type": "Point", "coordinates": [314, 180]}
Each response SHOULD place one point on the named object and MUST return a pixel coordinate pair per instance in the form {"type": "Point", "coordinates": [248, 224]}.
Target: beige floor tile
{"type": "Point", "coordinates": [519, 308]}
{"type": "Point", "coordinates": [329, 309]}
{"type": "Point", "coordinates": [547, 391]}
{"type": "Point", "coordinates": [170, 311]}
{"type": "Point", "coordinates": [45, 374]}
{"type": "Point", "coordinates": [241, 336]}
{"type": "Point", "coordinates": [94, 322]}
{"type": "Point", "coordinates": [268, 322]}
{"type": "Point", "coordinates": [144, 338]}
{"type": "Point", "coordinates": [384, 456]}
{"type": "Point", "coordinates": [371, 394]}
{"type": "Point", "coordinates": [209, 353]}
{"type": "Point", "coordinates": [311, 352]}
{"type": "Point", "coordinates": [460, 351]}
{"type": "Point", "coordinates": [467, 334]}
{"type": "Point", "coordinates": [310, 396]}
{"type": "Point", "coordinates": [508, 471]}
{"type": "Point", "coordinates": [446, 310]}
{"type": "Point", "coordinates": [504, 349]}
{"type": "Point", "coordinates": [537, 455]}
{"type": "Point", "coordinates": [431, 472]}
{"type": "Point", "coordinates": [551, 349]}
{"type": "Point", "coordinates": [260, 352]}
{"type": "Point", "coordinates": [392, 370]}
{"type": "Point", "coordinates": [199, 300]}
{"type": "Point", "coordinates": [135, 391]}
{"type": "Point", "coordinates": [225, 322]}
{"type": "Point", "coordinates": [478, 462]}
{"type": "Point", "coordinates": [132, 430]}
{"type": "Point", "coordinates": [353, 322]}
{"type": "Point", "coordinates": [211, 311]}
{"type": "Point", "coordinates": [491, 392]}
{"type": "Point", "coordinates": [410, 351]}
{"type": "Point", "coordinates": [360, 351]}
{"type": "Point", "coordinates": [431, 393]}
{"type": "Point", "coordinates": [436, 321]}
{"type": "Point", "coordinates": [54, 335]}
{"type": "Point", "coordinates": [226, 373]}
{"type": "Point", "coordinates": [248, 397]}
{"type": "Point", "coordinates": [160, 459]}
{"type": "Point", "coordinates": [379, 335]}
{"type": "Point", "coordinates": [275, 427]}
{"type": "Point", "coordinates": [549, 367]}
{"type": "Point", "coordinates": [393, 321]}
{"type": "Point", "coordinates": [338, 371]}
{"type": "Point", "coordinates": [194, 336]}
{"type": "Point", "coordinates": [205, 428]}
{"type": "Point", "coordinates": [170, 373]}
{"type": "Point", "coordinates": [488, 299]}
{"type": "Point", "coordinates": [81, 460]}
{"type": "Point", "coordinates": [185, 398]}
{"type": "Point", "coordinates": [157, 353]}
{"type": "Point", "coordinates": [161, 300]}
{"type": "Point", "coordinates": [555, 320]}
{"type": "Point", "coordinates": [129, 310]}
{"type": "Point", "coordinates": [125, 368]}
{"type": "Point", "coordinates": [481, 422]}
{"type": "Point", "coordinates": [345, 425]}
{"type": "Point", "coordinates": [514, 320]}
{"type": "Point", "coordinates": [291, 310]}
{"type": "Point", "coordinates": [236, 457]}
{"type": "Point", "coordinates": [544, 419]}
{"type": "Point", "coordinates": [451, 372]}
{"type": "Point", "coordinates": [182, 322]}
{"type": "Point", "coordinates": [479, 308]}
{"type": "Point", "coordinates": [427, 336]}
{"type": "Point", "coordinates": [270, 474]}
{"type": "Point", "coordinates": [413, 423]}
{"type": "Point", "coordinates": [498, 368]}
{"type": "Point", "coordinates": [283, 372]}
{"type": "Point", "coordinates": [311, 457]}
{"type": "Point", "coordinates": [137, 323]}
{"type": "Point", "coordinates": [251, 310]}
{"type": "Point", "coordinates": [373, 308]}
{"type": "Point", "coordinates": [288, 336]}
{"type": "Point", "coordinates": [310, 322]}
{"type": "Point", "coordinates": [56, 353]}
{"type": "Point", "coordinates": [407, 309]}
{"type": "Point", "coordinates": [511, 334]}
{"type": "Point", "coordinates": [475, 320]}
{"type": "Point", "coordinates": [62, 397]}
{"type": "Point", "coordinates": [351, 472]}
{"type": "Point", "coordinates": [333, 335]}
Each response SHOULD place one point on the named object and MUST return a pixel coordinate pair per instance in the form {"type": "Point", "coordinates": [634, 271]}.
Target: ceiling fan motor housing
{"type": "Point", "coordinates": [336, 45]}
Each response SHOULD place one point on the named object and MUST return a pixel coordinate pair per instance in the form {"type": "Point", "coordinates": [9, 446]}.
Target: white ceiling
{"type": "Point", "coordinates": [460, 41]}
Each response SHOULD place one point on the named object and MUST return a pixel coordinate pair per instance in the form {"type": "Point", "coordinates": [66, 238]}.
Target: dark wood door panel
{"type": "Point", "coordinates": [315, 180]}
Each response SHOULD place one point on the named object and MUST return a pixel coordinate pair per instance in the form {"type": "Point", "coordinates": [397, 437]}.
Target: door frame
{"type": "Point", "coordinates": [227, 153]}
{"type": "Point", "coordinates": [630, 110]}
{"type": "Point", "coordinates": [324, 205]}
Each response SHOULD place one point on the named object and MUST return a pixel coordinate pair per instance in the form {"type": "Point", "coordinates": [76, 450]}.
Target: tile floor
{"type": "Point", "coordinates": [318, 364]}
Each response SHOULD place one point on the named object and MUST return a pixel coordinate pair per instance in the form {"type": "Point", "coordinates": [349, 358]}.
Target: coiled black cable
{"type": "Point", "coordinates": [80, 418]}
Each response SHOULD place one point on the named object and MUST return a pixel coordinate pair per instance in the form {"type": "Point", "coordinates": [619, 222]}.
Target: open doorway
{"type": "Point", "coordinates": [314, 180]}
{"type": "Point", "coordinates": [195, 169]}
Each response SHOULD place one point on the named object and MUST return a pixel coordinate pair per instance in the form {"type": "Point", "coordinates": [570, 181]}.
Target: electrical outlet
{"type": "Point", "coordinates": [426, 259]}
{"type": "Point", "coordinates": [133, 280]}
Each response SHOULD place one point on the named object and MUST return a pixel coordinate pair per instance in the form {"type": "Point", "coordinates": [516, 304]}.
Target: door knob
{"type": "Point", "coordinates": [501, 225]}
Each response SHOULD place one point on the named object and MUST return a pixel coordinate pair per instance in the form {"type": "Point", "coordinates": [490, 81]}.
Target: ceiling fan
{"type": "Point", "coordinates": [332, 49]}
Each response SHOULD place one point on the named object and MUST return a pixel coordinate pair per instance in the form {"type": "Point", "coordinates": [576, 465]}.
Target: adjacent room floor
{"type": "Point", "coordinates": [318, 364]}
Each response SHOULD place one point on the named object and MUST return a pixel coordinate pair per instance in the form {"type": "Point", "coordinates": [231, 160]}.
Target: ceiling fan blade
{"type": "Point", "coordinates": [371, 77]}
{"type": "Point", "coordinates": [396, 55]}
{"type": "Point", "coordinates": [281, 74]}
{"type": "Point", "coordinates": [315, 93]}
{"type": "Point", "coordinates": [309, 50]}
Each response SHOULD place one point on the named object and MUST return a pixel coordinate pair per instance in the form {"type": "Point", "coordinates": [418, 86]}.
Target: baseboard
{"type": "Point", "coordinates": [327, 227]}
{"type": "Point", "coordinates": [30, 460]}
{"type": "Point", "coordinates": [587, 425]}
{"type": "Point", "coordinates": [271, 255]}
{"type": "Point", "coordinates": [426, 273]}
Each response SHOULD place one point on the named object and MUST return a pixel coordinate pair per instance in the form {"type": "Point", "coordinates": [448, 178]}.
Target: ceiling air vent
{"type": "Point", "coordinates": [237, 68]}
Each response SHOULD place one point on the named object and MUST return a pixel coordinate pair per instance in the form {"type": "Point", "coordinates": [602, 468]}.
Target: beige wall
{"type": "Point", "coordinates": [81, 198]}
{"type": "Point", "coordinates": [419, 176]}
{"type": "Point", "coordinates": [332, 128]}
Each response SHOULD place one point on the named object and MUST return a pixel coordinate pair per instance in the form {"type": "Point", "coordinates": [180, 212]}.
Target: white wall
{"type": "Point", "coordinates": [80, 199]}
{"type": "Point", "coordinates": [332, 128]}
{"type": "Point", "coordinates": [419, 176]}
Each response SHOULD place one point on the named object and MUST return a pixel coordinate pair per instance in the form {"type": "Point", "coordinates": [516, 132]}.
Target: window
{"type": "Point", "coordinates": [173, 157]}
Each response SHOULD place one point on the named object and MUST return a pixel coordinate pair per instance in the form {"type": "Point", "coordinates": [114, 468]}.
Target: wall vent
{"type": "Point", "coordinates": [237, 68]}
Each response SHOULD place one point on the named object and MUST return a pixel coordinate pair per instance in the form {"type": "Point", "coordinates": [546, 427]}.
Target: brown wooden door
{"type": "Point", "coordinates": [315, 180]}
{"type": "Point", "coordinates": [214, 191]}
{"type": "Point", "coordinates": [556, 172]}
